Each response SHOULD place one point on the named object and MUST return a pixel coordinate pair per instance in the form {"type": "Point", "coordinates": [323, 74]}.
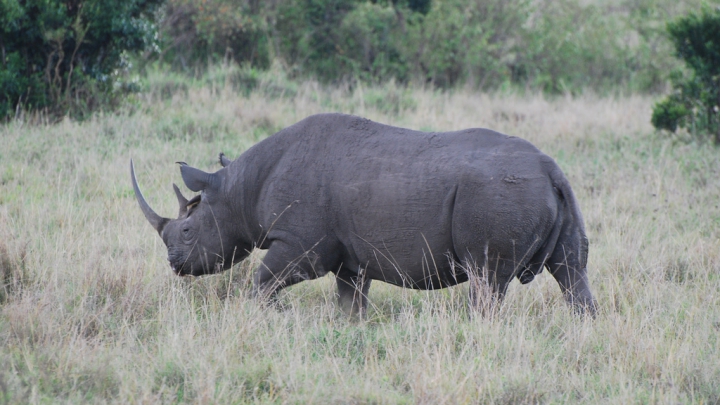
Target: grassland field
{"type": "Point", "coordinates": [90, 311]}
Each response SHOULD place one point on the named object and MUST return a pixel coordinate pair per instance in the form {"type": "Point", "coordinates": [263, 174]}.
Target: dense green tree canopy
{"type": "Point", "coordinates": [695, 103]}
{"type": "Point", "coordinates": [72, 55]}
{"type": "Point", "coordinates": [60, 53]}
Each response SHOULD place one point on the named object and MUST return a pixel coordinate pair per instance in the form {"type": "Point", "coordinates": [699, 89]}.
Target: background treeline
{"type": "Point", "coordinates": [555, 46]}
{"type": "Point", "coordinates": [69, 55]}
{"type": "Point", "coordinates": [75, 55]}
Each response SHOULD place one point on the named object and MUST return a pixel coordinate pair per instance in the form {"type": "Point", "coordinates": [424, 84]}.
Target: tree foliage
{"type": "Point", "coordinates": [694, 103]}
{"type": "Point", "coordinates": [559, 46]}
{"type": "Point", "coordinates": [64, 55]}
{"type": "Point", "coordinates": [196, 32]}
{"type": "Point", "coordinates": [60, 54]}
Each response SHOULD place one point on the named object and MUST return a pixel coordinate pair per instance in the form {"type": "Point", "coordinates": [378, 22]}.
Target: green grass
{"type": "Point", "coordinates": [91, 313]}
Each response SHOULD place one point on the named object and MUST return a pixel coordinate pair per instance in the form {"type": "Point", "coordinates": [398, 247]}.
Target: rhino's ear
{"type": "Point", "coordinates": [197, 180]}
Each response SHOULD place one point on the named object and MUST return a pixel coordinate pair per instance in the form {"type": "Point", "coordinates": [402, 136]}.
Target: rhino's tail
{"type": "Point", "coordinates": [568, 262]}
{"type": "Point", "coordinates": [568, 225]}
{"type": "Point", "coordinates": [573, 224]}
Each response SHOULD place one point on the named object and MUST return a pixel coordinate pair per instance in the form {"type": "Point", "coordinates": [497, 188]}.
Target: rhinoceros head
{"type": "Point", "coordinates": [197, 241]}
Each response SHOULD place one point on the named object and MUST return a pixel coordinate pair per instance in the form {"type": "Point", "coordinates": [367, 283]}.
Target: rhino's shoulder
{"type": "Point", "coordinates": [329, 128]}
{"type": "Point", "coordinates": [337, 122]}
{"type": "Point", "coordinates": [490, 141]}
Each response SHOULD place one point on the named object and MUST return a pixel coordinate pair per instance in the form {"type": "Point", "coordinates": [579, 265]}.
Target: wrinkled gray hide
{"type": "Point", "coordinates": [366, 201]}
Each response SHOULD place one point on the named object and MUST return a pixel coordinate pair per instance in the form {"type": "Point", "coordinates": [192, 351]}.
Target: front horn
{"type": "Point", "coordinates": [155, 220]}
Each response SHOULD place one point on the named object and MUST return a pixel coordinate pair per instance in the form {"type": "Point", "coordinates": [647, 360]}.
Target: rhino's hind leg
{"type": "Point", "coordinates": [352, 292]}
{"type": "Point", "coordinates": [487, 286]}
{"type": "Point", "coordinates": [568, 265]}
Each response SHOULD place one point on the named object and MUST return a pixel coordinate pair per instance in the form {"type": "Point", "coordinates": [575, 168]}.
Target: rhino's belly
{"type": "Point", "coordinates": [422, 279]}
{"type": "Point", "coordinates": [410, 259]}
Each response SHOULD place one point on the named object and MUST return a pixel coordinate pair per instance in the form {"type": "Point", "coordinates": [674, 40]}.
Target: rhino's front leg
{"type": "Point", "coordinates": [281, 267]}
{"type": "Point", "coordinates": [353, 289]}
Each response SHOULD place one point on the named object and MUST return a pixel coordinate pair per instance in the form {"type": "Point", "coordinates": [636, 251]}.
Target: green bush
{"type": "Point", "coordinates": [310, 41]}
{"type": "Point", "coordinates": [670, 113]}
{"type": "Point", "coordinates": [71, 55]}
{"type": "Point", "coordinates": [558, 47]}
{"type": "Point", "coordinates": [568, 46]}
{"type": "Point", "coordinates": [473, 42]}
{"type": "Point", "coordinates": [445, 43]}
{"type": "Point", "coordinates": [67, 56]}
{"type": "Point", "coordinates": [198, 33]}
{"type": "Point", "coordinates": [369, 43]}
{"type": "Point", "coordinates": [694, 103]}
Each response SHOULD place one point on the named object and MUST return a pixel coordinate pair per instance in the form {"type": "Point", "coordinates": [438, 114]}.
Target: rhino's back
{"type": "Point", "coordinates": [323, 155]}
{"type": "Point", "coordinates": [331, 142]}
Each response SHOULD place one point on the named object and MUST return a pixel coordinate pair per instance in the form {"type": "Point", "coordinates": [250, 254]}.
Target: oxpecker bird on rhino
{"type": "Point", "coordinates": [341, 194]}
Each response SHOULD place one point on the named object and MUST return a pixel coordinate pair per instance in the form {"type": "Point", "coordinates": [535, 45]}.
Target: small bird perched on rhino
{"type": "Point", "coordinates": [366, 201]}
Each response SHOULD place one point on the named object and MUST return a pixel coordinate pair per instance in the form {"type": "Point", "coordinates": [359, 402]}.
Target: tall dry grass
{"type": "Point", "coordinates": [90, 312]}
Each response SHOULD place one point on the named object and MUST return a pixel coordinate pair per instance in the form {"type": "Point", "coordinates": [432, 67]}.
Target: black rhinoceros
{"type": "Point", "coordinates": [366, 201]}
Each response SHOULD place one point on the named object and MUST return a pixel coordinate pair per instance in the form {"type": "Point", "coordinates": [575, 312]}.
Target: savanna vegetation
{"type": "Point", "coordinates": [91, 313]}
{"type": "Point", "coordinates": [76, 56]}
{"type": "Point", "coordinates": [69, 56]}
{"type": "Point", "coordinates": [694, 102]}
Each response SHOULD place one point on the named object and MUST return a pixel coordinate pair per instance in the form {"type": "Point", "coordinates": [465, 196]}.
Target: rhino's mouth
{"type": "Point", "coordinates": [178, 264]}
{"type": "Point", "coordinates": [194, 263]}
{"type": "Point", "coordinates": [179, 261]}
{"type": "Point", "coordinates": [179, 269]}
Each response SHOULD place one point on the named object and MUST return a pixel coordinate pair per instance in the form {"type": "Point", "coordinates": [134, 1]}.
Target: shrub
{"type": "Point", "coordinates": [471, 42]}
{"type": "Point", "coordinates": [445, 43]}
{"type": "Point", "coordinates": [694, 103]}
{"type": "Point", "coordinates": [369, 43]}
{"type": "Point", "coordinates": [484, 44]}
{"type": "Point", "coordinates": [309, 40]}
{"type": "Point", "coordinates": [555, 61]}
{"type": "Point", "coordinates": [64, 55]}
{"type": "Point", "coordinates": [197, 33]}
